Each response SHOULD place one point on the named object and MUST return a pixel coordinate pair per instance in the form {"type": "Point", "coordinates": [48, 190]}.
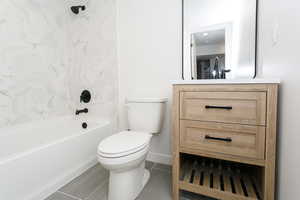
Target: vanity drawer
{"type": "Point", "coordinates": [229, 107]}
{"type": "Point", "coordinates": [233, 139]}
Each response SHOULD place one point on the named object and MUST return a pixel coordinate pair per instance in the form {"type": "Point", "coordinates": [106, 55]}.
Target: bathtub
{"type": "Point", "coordinates": [38, 158]}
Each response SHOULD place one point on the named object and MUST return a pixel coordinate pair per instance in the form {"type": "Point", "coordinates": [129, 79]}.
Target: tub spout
{"type": "Point", "coordinates": [81, 111]}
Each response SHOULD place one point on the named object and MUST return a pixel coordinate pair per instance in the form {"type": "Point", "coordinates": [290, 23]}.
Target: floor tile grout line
{"type": "Point", "coordinates": [99, 187]}
{"type": "Point", "coordinates": [157, 164]}
{"type": "Point", "coordinates": [154, 166]}
{"type": "Point", "coordinates": [69, 195]}
{"type": "Point", "coordinates": [162, 170]}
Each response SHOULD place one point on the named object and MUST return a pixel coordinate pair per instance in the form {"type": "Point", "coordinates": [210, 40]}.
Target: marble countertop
{"type": "Point", "coordinates": [226, 81]}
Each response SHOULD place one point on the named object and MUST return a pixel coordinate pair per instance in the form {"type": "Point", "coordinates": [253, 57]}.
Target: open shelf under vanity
{"type": "Point", "coordinates": [224, 140]}
{"type": "Point", "coordinates": [220, 179]}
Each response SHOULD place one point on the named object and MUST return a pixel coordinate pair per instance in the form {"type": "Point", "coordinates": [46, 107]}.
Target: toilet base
{"type": "Point", "coordinates": [128, 185]}
{"type": "Point", "coordinates": [146, 178]}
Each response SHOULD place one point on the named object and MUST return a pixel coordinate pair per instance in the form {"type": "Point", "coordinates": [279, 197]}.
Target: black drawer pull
{"type": "Point", "coordinates": [219, 139]}
{"type": "Point", "coordinates": [219, 107]}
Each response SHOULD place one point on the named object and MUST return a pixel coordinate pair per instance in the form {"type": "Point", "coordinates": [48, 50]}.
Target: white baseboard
{"type": "Point", "coordinates": [63, 180]}
{"type": "Point", "coordinates": [160, 158]}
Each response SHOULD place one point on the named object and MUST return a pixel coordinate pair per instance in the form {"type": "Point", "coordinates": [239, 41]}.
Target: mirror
{"type": "Point", "coordinates": [219, 39]}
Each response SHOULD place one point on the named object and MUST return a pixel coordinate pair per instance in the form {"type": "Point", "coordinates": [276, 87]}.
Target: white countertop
{"type": "Point", "coordinates": [225, 81]}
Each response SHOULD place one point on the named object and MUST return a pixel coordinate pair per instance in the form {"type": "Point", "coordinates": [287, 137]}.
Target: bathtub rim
{"type": "Point", "coordinates": [15, 156]}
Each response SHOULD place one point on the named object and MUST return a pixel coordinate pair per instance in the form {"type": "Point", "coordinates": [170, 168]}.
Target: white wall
{"type": "Point", "coordinates": [48, 55]}
{"type": "Point", "coordinates": [281, 59]}
{"type": "Point", "coordinates": [149, 52]}
{"type": "Point", "coordinates": [149, 55]}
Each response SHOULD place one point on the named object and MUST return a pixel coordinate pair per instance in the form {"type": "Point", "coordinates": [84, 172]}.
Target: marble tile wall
{"type": "Point", "coordinates": [48, 55]}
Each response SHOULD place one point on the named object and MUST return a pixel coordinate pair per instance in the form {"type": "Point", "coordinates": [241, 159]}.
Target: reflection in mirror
{"type": "Point", "coordinates": [219, 39]}
{"type": "Point", "coordinates": [208, 54]}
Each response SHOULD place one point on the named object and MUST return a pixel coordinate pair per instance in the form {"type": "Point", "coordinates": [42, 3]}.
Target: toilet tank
{"type": "Point", "coordinates": [146, 115]}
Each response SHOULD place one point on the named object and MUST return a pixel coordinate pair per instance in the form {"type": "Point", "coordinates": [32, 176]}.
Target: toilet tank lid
{"type": "Point", "coordinates": [146, 100]}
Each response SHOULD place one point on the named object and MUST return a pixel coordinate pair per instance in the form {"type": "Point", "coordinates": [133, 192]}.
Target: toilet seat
{"type": "Point", "coordinates": [123, 144]}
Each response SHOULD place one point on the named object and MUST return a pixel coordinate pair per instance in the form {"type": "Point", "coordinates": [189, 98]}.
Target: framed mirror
{"type": "Point", "coordinates": [219, 39]}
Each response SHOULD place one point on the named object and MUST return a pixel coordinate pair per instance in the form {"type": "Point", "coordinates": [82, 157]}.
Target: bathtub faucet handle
{"type": "Point", "coordinates": [81, 111]}
{"type": "Point", "coordinates": [85, 96]}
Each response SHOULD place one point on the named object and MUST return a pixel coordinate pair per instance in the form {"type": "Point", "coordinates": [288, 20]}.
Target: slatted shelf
{"type": "Point", "coordinates": [217, 179]}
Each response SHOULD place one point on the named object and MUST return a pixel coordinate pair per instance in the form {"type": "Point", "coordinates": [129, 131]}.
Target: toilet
{"type": "Point", "coordinates": [124, 153]}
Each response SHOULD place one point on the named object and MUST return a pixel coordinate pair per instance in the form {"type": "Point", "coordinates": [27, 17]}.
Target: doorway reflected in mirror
{"type": "Point", "coordinates": [219, 39]}
{"type": "Point", "coordinates": [208, 52]}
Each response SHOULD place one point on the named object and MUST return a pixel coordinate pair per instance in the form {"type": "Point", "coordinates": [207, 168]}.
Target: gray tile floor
{"type": "Point", "coordinates": [93, 185]}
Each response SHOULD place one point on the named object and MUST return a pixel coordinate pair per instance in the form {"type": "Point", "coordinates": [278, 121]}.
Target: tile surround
{"type": "Point", "coordinates": [48, 56]}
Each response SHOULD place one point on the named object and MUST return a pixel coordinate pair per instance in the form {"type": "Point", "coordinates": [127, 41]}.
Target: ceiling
{"type": "Point", "coordinates": [214, 37]}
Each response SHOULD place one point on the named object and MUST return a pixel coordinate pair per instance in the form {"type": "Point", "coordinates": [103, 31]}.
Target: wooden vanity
{"type": "Point", "coordinates": [224, 139]}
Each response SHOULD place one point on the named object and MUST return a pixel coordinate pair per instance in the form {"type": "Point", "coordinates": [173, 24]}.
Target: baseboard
{"type": "Point", "coordinates": [63, 180]}
{"type": "Point", "coordinates": [159, 158]}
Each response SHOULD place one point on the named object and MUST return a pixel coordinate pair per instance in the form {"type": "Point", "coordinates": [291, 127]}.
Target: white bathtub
{"type": "Point", "coordinates": [38, 158]}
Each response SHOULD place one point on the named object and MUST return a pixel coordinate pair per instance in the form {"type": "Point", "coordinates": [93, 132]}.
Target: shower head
{"type": "Point", "coordinates": [76, 9]}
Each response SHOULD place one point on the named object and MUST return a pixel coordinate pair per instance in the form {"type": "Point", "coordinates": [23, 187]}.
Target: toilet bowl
{"type": "Point", "coordinates": [124, 153]}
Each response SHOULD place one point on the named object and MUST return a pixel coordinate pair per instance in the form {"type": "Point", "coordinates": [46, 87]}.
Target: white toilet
{"type": "Point", "coordinates": [124, 153]}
